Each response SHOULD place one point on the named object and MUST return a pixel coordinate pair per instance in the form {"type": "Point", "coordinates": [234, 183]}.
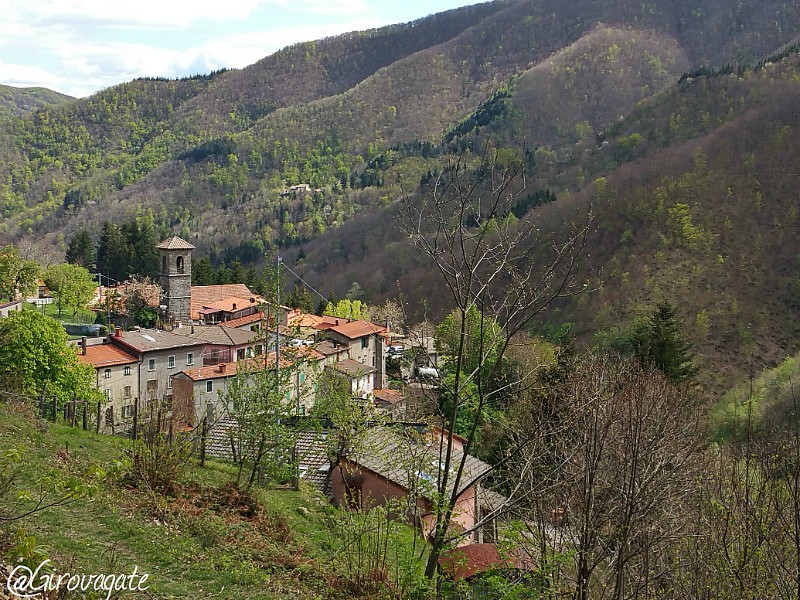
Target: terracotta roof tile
{"type": "Point", "coordinates": [388, 396]}
{"type": "Point", "coordinates": [206, 295]}
{"type": "Point", "coordinates": [105, 355]}
{"type": "Point", "coordinates": [357, 329]}
{"type": "Point", "coordinates": [233, 303]}
{"type": "Point", "coordinates": [246, 320]}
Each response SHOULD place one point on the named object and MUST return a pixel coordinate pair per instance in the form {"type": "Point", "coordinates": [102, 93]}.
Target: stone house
{"type": "Point", "coordinates": [162, 355]}
{"type": "Point", "coordinates": [200, 392]}
{"type": "Point", "coordinates": [117, 376]}
{"type": "Point", "coordinates": [225, 344]}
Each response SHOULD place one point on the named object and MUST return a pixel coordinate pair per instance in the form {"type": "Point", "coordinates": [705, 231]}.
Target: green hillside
{"type": "Point", "coordinates": [15, 102]}
{"type": "Point", "coordinates": [204, 538]}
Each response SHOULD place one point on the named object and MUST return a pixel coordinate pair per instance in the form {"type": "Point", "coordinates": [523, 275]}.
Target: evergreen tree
{"type": "Point", "coordinates": [113, 253]}
{"type": "Point", "coordinates": [81, 250]}
{"type": "Point", "coordinates": [141, 239]}
{"type": "Point", "coordinates": [659, 342]}
{"type": "Point", "coordinates": [203, 272]}
{"type": "Point", "coordinates": [238, 272]}
{"type": "Point", "coordinates": [301, 298]}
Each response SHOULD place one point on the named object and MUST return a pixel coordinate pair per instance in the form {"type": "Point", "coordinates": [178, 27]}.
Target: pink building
{"type": "Point", "coordinates": [391, 464]}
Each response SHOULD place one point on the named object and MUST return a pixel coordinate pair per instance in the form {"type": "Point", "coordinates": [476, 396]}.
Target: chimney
{"type": "Point", "coordinates": [221, 367]}
{"type": "Point", "coordinates": [192, 329]}
{"type": "Point", "coordinates": [118, 332]}
{"type": "Point", "coordinates": [83, 345]}
{"type": "Point", "coordinates": [234, 306]}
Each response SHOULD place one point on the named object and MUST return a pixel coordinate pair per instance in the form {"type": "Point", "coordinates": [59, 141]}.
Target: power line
{"type": "Point", "coordinates": [304, 282]}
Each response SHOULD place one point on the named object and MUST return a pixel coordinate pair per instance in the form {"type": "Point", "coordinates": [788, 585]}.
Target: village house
{"type": "Point", "coordinates": [333, 351]}
{"type": "Point", "coordinates": [162, 355]}
{"type": "Point", "coordinates": [9, 307]}
{"type": "Point", "coordinates": [225, 344]}
{"type": "Point", "coordinates": [200, 392]}
{"type": "Point", "coordinates": [360, 378]}
{"type": "Point", "coordinates": [391, 463]}
{"type": "Point", "coordinates": [117, 376]}
{"type": "Point", "coordinates": [365, 341]}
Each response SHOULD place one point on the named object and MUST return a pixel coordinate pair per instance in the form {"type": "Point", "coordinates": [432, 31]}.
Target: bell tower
{"type": "Point", "coordinates": [176, 277]}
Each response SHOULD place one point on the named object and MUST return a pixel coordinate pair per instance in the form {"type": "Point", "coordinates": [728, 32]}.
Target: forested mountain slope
{"type": "Point", "coordinates": [590, 90]}
{"type": "Point", "coordinates": [318, 111]}
{"type": "Point", "coordinates": [695, 201]}
{"type": "Point", "coordinates": [15, 101]}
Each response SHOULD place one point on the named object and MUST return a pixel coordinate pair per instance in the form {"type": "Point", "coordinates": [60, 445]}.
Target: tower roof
{"type": "Point", "coordinates": [175, 243]}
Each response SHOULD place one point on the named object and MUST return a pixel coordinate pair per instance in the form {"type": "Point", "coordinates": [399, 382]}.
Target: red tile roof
{"type": "Point", "coordinates": [233, 303]}
{"type": "Point", "coordinates": [357, 329]}
{"type": "Point", "coordinates": [105, 355]}
{"type": "Point", "coordinates": [301, 319]}
{"type": "Point", "coordinates": [246, 320]}
{"type": "Point", "coordinates": [388, 396]}
{"type": "Point", "coordinates": [206, 295]}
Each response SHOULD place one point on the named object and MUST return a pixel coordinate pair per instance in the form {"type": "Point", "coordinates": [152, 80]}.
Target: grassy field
{"type": "Point", "coordinates": [82, 316]}
{"type": "Point", "coordinates": [203, 541]}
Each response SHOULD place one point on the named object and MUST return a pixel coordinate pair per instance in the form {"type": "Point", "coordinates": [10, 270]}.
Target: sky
{"type": "Point", "coordinates": [78, 47]}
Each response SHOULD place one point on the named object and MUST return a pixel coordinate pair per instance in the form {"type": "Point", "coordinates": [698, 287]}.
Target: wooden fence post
{"type": "Point", "coordinates": [99, 406]}
{"type": "Point", "coordinates": [55, 409]}
{"type": "Point", "coordinates": [203, 434]}
{"type": "Point", "coordinates": [136, 419]}
{"type": "Point", "coordinates": [41, 400]}
{"type": "Point", "coordinates": [74, 415]}
{"type": "Point", "coordinates": [85, 415]}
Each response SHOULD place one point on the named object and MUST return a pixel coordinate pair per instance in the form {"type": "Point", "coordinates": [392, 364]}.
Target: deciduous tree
{"type": "Point", "coordinates": [34, 353]}
{"type": "Point", "coordinates": [71, 285]}
{"type": "Point", "coordinates": [487, 269]}
{"type": "Point", "coordinates": [17, 275]}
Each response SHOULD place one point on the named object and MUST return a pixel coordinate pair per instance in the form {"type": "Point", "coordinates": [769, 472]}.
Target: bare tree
{"type": "Point", "coordinates": [494, 267]}
{"type": "Point", "coordinates": [616, 473]}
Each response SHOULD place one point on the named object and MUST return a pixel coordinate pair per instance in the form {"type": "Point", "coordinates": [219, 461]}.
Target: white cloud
{"type": "Point", "coordinates": [80, 46]}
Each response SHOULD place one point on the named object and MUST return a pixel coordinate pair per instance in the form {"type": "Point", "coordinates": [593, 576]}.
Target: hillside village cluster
{"type": "Point", "coordinates": [213, 334]}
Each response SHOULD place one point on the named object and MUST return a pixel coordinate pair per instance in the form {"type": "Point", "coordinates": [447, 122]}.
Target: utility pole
{"type": "Point", "coordinates": [277, 317]}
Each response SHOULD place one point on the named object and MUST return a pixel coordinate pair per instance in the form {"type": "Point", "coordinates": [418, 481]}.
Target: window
{"type": "Point", "coordinates": [163, 264]}
{"type": "Point", "coordinates": [365, 342]}
{"type": "Point", "coordinates": [240, 354]}
{"type": "Point", "coordinates": [170, 362]}
{"type": "Point", "coordinates": [169, 382]}
{"type": "Point", "coordinates": [107, 393]}
{"type": "Point", "coordinates": [127, 411]}
{"type": "Point", "coordinates": [302, 377]}
{"type": "Point", "coordinates": [259, 350]}
{"type": "Point", "coordinates": [128, 370]}
{"type": "Point", "coordinates": [152, 387]}
{"type": "Point", "coordinates": [209, 386]}
{"type": "Point", "coordinates": [107, 374]}
{"type": "Point", "coordinates": [179, 264]}
{"type": "Point", "coordinates": [151, 364]}
{"type": "Point", "coordinates": [190, 358]}
{"type": "Point", "coordinates": [127, 391]}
